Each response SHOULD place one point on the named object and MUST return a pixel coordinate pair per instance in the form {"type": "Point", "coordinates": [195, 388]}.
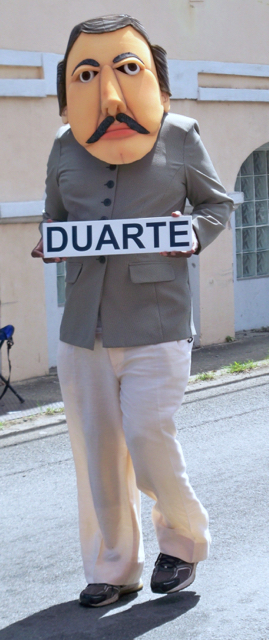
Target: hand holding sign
{"type": "Point", "coordinates": [38, 252]}
{"type": "Point", "coordinates": [183, 254]}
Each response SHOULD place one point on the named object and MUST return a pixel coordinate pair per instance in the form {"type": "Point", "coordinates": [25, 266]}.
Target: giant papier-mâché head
{"type": "Point", "coordinates": [113, 88]}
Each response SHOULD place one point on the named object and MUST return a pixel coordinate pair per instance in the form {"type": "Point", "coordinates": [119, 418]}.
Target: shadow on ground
{"type": "Point", "coordinates": [69, 621]}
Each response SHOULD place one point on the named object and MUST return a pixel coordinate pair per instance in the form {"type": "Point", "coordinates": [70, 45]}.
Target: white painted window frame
{"type": "Point", "coordinates": [185, 84]}
{"type": "Point", "coordinates": [25, 211]}
{"type": "Point", "coordinates": [21, 211]}
{"type": "Point", "coordinates": [29, 88]}
{"type": "Point", "coordinates": [183, 78]}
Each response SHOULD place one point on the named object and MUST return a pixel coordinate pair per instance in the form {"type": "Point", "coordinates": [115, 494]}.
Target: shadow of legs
{"type": "Point", "coordinates": [69, 621]}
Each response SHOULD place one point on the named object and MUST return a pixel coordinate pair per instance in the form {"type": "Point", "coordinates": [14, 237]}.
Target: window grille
{"type": "Point", "coordinates": [251, 217]}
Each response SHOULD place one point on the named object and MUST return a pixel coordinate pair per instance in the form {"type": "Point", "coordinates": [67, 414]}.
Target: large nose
{"type": "Point", "coordinates": [112, 99]}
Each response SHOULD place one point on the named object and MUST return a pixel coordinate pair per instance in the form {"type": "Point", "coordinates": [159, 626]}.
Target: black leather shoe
{"type": "Point", "coordinates": [171, 574]}
{"type": "Point", "coordinates": [98, 595]}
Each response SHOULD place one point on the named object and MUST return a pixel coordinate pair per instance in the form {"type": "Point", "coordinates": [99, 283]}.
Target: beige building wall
{"type": "Point", "coordinates": [23, 301]}
{"type": "Point", "coordinates": [230, 131]}
{"type": "Point", "coordinates": [27, 127]}
{"type": "Point", "coordinates": [210, 30]}
{"type": "Point", "coordinates": [230, 30]}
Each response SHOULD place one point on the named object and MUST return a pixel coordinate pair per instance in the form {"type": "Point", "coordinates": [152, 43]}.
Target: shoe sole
{"type": "Point", "coordinates": [131, 588]}
{"type": "Point", "coordinates": [180, 586]}
{"type": "Point", "coordinates": [124, 590]}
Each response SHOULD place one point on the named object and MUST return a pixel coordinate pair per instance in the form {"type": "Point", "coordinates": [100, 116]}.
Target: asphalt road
{"type": "Point", "coordinates": [224, 433]}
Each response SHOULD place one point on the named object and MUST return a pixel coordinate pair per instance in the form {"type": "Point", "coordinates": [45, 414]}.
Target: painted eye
{"type": "Point", "coordinates": [131, 68]}
{"type": "Point", "coordinates": [87, 76]}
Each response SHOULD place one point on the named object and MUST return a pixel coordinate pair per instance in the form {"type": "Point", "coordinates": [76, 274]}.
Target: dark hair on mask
{"type": "Point", "coordinates": [104, 24]}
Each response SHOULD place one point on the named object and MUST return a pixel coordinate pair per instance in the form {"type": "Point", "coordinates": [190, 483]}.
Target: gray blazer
{"type": "Point", "coordinates": [143, 299]}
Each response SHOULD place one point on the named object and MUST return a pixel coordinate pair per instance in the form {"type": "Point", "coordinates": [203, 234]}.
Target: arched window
{"type": "Point", "coordinates": [251, 217]}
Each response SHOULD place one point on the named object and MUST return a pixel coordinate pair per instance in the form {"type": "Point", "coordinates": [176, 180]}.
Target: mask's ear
{"type": "Point", "coordinates": [64, 116]}
{"type": "Point", "coordinates": [165, 101]}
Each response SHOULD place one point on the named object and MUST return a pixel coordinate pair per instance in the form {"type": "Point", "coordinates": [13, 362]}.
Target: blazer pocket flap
{"type": "Point", "coordinates": [151, 272]}
{"type": "Point", "coordinates": [73, 270]}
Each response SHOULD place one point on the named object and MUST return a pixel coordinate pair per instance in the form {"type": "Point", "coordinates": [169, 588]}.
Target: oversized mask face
{"type": "Point", "coordinates": [114, 102]}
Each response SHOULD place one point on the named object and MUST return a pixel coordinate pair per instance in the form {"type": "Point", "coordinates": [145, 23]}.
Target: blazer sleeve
{"type": "Point", "coordinates": [54, 207]}
{"type": "Point", "coordinates": [211, 204]}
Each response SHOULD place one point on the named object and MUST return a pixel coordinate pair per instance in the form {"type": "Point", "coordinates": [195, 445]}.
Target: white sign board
{"type": "Point", "coordinates": [112, 237]}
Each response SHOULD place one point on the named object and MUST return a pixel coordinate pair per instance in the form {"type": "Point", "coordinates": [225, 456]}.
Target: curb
{"type": "Point", "coordinates": [34, 423]}
{"type": "Point", "coordinates": [222, 378]}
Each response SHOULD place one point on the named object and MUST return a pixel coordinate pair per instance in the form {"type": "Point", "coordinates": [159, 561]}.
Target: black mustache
{"type": "Point", "coordinates": [121, 117]}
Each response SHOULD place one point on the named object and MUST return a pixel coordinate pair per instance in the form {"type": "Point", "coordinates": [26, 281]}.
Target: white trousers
{"type": "Point", "coordinates": [119, 405]}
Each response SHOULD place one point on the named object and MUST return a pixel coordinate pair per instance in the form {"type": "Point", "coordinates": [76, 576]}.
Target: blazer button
{"type": "Point", "coordinates": [103, 218]}
{"type": "Point", "coordinates": [106, 202]}
{"type": "Point", "coordinates": [110, 184]}
{"type": "Point", "coordinates": [102, 259]}
{"type": "Point", "coordinates": [112, 167]}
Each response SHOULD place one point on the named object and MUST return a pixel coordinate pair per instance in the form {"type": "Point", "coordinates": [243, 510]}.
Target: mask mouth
{"type": "Point", "coordinates": [108, 121]}
{"type": "Point", "coordinates": [131, 123]}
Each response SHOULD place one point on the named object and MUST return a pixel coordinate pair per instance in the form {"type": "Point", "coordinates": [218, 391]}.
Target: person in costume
{"type": "Point", "coordinates": [126, 333]}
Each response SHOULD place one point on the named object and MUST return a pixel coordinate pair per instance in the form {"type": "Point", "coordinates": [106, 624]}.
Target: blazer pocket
{"type": "Point", "coordinates": [73, 270]}
{"type": "Point", "coordinates": [151, 272]}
